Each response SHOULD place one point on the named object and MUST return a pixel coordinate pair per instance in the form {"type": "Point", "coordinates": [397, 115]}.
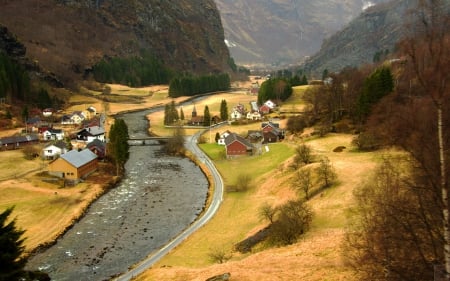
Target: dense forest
{"type": "Point", "coordinates": [193, 85]}
{"type": "Point", "coordinates": [133, 71]}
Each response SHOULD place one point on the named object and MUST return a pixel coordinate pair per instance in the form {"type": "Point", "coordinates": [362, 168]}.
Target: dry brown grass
{"type": "Point", "coordinates": [44, 210]}
{"type": "Point", "coordinates": [315, 257]}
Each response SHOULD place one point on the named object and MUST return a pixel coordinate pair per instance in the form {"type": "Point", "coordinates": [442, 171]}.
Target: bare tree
{"type": "Point", "coordinates": [219, 255]}
{"type": "Point", "coordinates": [428, 50]}
{"type": "Point", "coordinates": [267, 212]}
{"type": "Point", "coordinates": [303, 181]}
{"type": "Point", "coordinates": [395, 234]}
{"type": "Point", "coordinates": [326, 172]}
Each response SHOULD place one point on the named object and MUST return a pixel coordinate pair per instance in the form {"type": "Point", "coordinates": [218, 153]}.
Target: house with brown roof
{"type": "Point", "coordinates": [98, 147]}
{"type": "Point", "coordinates": [235, 145]}
{"type": "Point", "coordinates": [74, 165]}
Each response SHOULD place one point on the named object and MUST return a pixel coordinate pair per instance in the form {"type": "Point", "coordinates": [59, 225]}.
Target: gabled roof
{"type": "Point", "coordinates": [79, 158]}
{"type": "Point", "coordinates": [18, 139]}
{"type": "Point", "coordinates": [271, 124]}
{"type": "Point", "coordinates": [94, 130]}
{"type": "Point", "coordinates": [60, 144]}
{"type": "Point", "coordinates": [54, 131]}
{"type": "Point", "coordinates": [235, 137]}
{"type": "Point", "coordinates": [96, 143]}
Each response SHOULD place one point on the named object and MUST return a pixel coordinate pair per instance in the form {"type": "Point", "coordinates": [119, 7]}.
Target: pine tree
{"type": "Point", "coordinates": [11, 248]}
{"type": "Point", "coordinates": [118, 144]}
{"type": "Point", "coordinates": [223, 110]}
{"type": "Point", "coordinates": [206, 117]}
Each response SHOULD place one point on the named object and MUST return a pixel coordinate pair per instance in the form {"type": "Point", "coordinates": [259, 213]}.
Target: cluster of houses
{"type": "Point", "coordinates": [238, 112]}
{"type": "Point", "coordinates": [89, 144]}
{"type": "Point", "coordinates": [236, 145]}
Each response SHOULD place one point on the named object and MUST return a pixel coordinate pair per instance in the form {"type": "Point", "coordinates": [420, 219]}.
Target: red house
{"type": "Point", "coordinates": [236, 145]}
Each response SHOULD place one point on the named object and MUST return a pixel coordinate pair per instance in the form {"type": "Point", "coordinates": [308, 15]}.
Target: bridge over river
{"type": "Point", "coordinates": [148, 141]}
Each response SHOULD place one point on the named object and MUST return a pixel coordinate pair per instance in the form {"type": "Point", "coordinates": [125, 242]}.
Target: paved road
{"type": "Point", "coordinates": [190, 144]}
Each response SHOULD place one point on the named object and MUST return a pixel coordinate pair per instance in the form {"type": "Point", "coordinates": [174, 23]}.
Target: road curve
{"type": "Point", "coordinates": [217, 197]}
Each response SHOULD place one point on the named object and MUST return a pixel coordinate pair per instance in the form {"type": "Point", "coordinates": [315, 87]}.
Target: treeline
{"type": "Point", "coordinates": [276, 89]}
{"type": "Point", "coordinates": [133, 71]}
{"type": "Point", "coordinates": [14, 80]}
{"type": "Point", "coordinates": [193, 85]}
{"type": "Point", "coordinates": [16, 86]}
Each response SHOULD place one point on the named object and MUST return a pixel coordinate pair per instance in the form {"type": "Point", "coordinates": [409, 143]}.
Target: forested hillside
{"type": "Point", "coordinates": [66, 39]}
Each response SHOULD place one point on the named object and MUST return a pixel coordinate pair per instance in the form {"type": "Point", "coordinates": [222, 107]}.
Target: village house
{"type": "Point", "coordinates": [15, 142]}
{"type": "Point", "coordinates": [91, 133]}
{"type": "Point", "coordinates": [221, 140]}
{"type": "Point", "coordinates": [236, 145]}
{"type": "Point", "coordinates": [47, 112]}
{"type": "Point", "coordinates": [53, 134]}
{"type": "Point", "coordinates": [74, 165]}
{"type": "Point", "coordinates": [273, 129]}
{"type": "Point", "coordinates": [270, 104]}
{"type": "Point", "coordinates": [32, 124]}
{"type": "Point", "coordinates": [98, 147]}
{"type": "Point", "coordinates": [254, 115]}
{"type": "Point", "coordinates": [73, 119]}
{"type": "Point", "coordinates": [264, 109]}
{"type": "Point", "coordinates": [54, 150]}
{"type": "Point", "coordinates": [255, 136]}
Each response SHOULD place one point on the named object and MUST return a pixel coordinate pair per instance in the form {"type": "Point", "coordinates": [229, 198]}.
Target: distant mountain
{"type": "Point", "coordinates": [376, 30]}
{"type": "Point", "coordinates": [65, 38]}
{"type": "Point", "coordinates": [280, 31]}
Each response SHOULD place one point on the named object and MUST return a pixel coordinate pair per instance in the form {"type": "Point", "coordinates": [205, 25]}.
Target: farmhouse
{"type": "Point", "coordinates": [74, 165]}
{"type": "Point", "coordinates": [91, 133]}
{"type": "Point", "coordinates": [221, 140]}
{"type": "Point", "coordinates": [98, 147]}
{"type": "Point", "coordinates": [236, 145]}
{"type": "Point", "coordinates": [52, 151]}
{"type": "Point", "coordinates": [53, 134]}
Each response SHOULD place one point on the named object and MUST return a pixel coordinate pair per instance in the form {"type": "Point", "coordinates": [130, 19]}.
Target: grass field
{"type": "Point", "coordinates": [315, 257]}
{"type": "Point", "coordinates": [44, 210]}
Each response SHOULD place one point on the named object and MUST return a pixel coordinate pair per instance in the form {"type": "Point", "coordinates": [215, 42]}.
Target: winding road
{"type": "Point", "coordinates": [217, 197]}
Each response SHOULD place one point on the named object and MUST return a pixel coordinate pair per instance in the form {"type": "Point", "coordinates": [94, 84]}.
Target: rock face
{"type": "Point", "coordinates": [379, 28]}
{"type": "Point", "coordinates": [280, 31]}
{"type": "Point", "coordinates": [67, 37]}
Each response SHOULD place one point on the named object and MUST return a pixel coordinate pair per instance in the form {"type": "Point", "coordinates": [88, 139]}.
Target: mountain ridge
{"type": "Point", "coordinates": [283, 31]}
{"type": "Point", "coordinates": [66, 38]}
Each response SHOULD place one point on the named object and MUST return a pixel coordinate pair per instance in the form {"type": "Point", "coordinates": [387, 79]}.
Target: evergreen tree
{"type": "Point", "coordinates": [166, 114]}
{"type": "Point", "coordinates": [376, 86]}
{"type": "Point", "coordinates": [206, 117]}
{"type": "Point", "coordinates": [118, 144]}
{"type": "Point", "coordinates": [223, 110]}
{"type": "Point", "coordinates": [11, 248]}
{"type": "Point", "coordinates": [181, 114]}
{"type": "Point", "coordinates": [173, 113]}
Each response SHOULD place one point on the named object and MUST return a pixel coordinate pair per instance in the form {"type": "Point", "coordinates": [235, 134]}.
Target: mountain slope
{"type": "Point", "coordinates": [272, 31]}
{"type": "Point", "coordinates": [379, 28]}
{"type": "Point", "coordinates": [67, 37]}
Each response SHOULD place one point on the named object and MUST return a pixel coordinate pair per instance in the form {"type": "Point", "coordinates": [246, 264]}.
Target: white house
{"type": "Point", "coordinates": [235, 114]}
{"type": "Point", "coordinates": [53, 134]}
{"type": "Point", "coordinates": [221, 140]}
{"type": "Point", "coordinates": [254, 115]}
{"type": "Point", "coordinates": [52, 151]}
{"type": "Point", "coordinates": [270, 104]}
{"type": "Point", "coordinates": [91, 133]}
{"type": "Point", "coordinates": [77, 117]}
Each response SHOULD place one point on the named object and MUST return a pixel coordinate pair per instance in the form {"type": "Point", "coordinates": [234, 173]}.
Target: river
{"type": "Point", "coordinates": [159, 196]}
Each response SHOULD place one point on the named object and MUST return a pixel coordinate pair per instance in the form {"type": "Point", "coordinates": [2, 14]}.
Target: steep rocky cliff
{"type": "Point", "coordinates": [378, 29]}
{"type": "Point", "coordinates": [67, 37]}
